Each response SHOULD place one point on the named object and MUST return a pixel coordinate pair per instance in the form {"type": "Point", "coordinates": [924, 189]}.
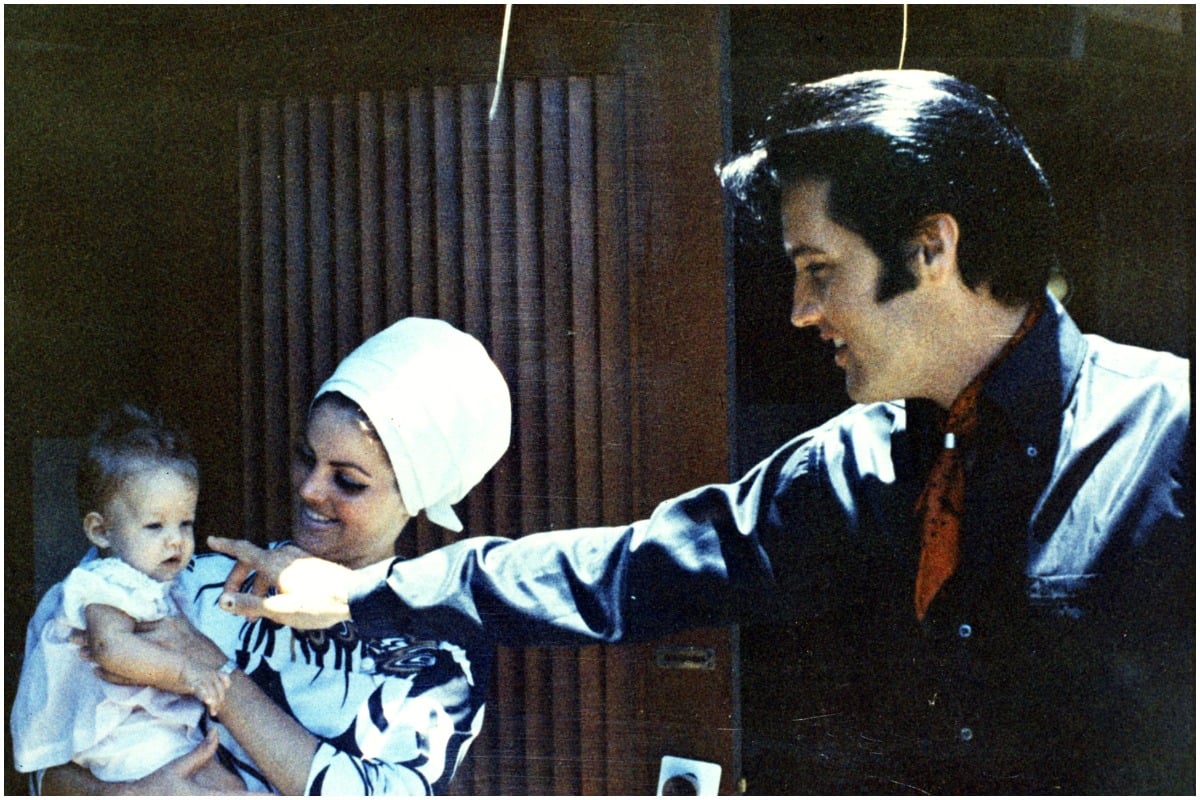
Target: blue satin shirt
{"type": "Point", "coordinates": [1060, 657]}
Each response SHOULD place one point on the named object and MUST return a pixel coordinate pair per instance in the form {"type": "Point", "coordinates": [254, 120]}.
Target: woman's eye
{"type": "Point", "coordinates": [303, 455]}
{"type": "Point", "coordinates": [154, 526]}
{"type": "Point", "coordinates": [347, 484]}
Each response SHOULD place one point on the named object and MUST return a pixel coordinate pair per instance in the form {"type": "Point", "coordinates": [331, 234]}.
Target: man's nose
{"type": "Point", "coordinates": [805, 310]}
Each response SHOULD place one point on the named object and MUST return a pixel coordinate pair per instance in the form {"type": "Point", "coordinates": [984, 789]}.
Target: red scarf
{"type": "Point", "coordinates": [941, 503]}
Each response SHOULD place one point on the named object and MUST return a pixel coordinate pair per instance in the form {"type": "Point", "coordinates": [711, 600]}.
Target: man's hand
{"type": "Point", "coordinates": [266, 565]}
{"type": "Point", "coordinates": [311, 593]}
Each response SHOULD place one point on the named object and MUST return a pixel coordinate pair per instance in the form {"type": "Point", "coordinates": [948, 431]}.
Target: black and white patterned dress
{"type": "Point", "coordinates": [395, 716]}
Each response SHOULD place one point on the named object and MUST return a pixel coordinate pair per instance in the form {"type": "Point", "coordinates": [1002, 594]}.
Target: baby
{"type": "Point", "coordinates": [137, 487]}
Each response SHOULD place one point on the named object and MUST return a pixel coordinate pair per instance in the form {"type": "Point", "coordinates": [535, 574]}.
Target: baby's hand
{"type": "Point", "coordinates": [209, 686]}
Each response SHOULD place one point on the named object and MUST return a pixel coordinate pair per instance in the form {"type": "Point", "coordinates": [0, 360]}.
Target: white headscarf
{"type": "Point", "coordinates": [439, 404]}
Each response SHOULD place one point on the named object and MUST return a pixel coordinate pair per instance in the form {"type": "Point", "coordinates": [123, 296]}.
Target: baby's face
{"type": "Point", "coordinates": [149, 522]}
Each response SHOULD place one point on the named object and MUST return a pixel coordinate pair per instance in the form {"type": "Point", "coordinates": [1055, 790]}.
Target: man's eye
{"type": "Point", "coordinates": [816, 268]}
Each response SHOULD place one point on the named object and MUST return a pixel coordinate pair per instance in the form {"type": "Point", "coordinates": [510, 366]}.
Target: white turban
{"type": "Point", "coordinates": [439, 404]}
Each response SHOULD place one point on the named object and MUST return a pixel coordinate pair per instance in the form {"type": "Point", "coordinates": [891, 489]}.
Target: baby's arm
{"type": "Point", "coordinates": [116, 648]}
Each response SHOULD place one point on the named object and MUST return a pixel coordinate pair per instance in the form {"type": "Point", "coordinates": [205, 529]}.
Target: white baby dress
{"type": "Point", "coordinates": [64, 712]}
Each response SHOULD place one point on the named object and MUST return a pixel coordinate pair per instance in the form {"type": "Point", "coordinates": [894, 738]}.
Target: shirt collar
{"type": "Point", "coordinates": [1031, 386]}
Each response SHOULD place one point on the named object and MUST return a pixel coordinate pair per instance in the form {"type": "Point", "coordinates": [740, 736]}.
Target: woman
{"type": "Point", "coordinates": [410, 421]}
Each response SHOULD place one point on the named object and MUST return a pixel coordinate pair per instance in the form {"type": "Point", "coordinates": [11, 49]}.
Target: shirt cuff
{"type": "Point", "coordinates": [375, 609]}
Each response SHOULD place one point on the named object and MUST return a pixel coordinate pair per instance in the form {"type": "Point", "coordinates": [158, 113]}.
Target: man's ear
{"type": "Point", "coordinates": [95, 529]}
{"type": "Point", "coordinates": [936, 245]}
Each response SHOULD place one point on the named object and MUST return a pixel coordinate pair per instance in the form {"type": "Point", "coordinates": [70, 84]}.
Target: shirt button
{"type": "Point", "coordinates": [366, 664]}
{"type": "Point", "coordinates": [964, 631]}
{"type": "Point", "coordinates": [966, 734]}
{"type": "Point", "coordinates": [1031, 451]}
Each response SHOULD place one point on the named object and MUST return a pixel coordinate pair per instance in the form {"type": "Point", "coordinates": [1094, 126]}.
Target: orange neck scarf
{"type": "Point", "coordinates": [940, 505]}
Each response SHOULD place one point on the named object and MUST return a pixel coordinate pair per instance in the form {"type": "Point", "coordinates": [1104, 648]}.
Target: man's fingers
{"type": "Point", "coordinates": [249, 559]}
{"type": "Point", "coordinates": [303, 575]}
{"type": "Point", "coordinates": [237, 576]}
{"type": "Point", "coordinates": [240, 549]}
{"type": "Point", "coordinates": [242, 604]}
{"type": "Point", "coordinates": [305, 613]}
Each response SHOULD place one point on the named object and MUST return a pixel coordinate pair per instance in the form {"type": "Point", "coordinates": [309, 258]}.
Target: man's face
{"type": "Point", "coordinates": [881, 346]}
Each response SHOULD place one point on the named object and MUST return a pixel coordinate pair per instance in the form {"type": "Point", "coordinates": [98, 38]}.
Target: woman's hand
{"type": "Point", "coordinates": [177, 633]}
{"type": "Point", "coordinates": [311, 593]}
{"type": "Point", "coordinates": [182, 777]}
{"type": "Point", "coordinates": [174, 634]}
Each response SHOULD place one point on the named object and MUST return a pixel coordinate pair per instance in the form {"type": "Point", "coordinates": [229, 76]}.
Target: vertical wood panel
{"type": "Point", "coordinates": [295, 190]}
{"type": "Point", "coordinates": [397, 280]}
{"type": "Point", "coordinates": [448, 229]}
{"type": "Point", "coordinates": [530, 412]}
{"type": "Point", "coordinates": [273, 335]}
{"type": "Point", "coordinates": [447, 204]}
{"type": "Point", "coordinates": [622, 690]}
{"type": "Point", "coordinates": [320, 223]}
{"type": "Point", "coordinates": [250, 256]}
{"type": "Point", "coordinates": [346, 275]}
{"type": "Point", "coordinates": [568, 709]}
{"type": "Point", "coordinates": [507, 759]}
{"type": "Point", "coordinates": [370, 235]}
{"type": "Point", "coordinates": [473, 776]}
{"type": "Point", "coordinates": [473, 189]}
{"type": "Point", "coordinates": [420, 205]}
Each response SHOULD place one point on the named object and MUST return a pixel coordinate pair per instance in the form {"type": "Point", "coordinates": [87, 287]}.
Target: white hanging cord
{"type": "Point", "coordinates": [903, 37]}
{"type": "Point", "coordinates": [500, 66]}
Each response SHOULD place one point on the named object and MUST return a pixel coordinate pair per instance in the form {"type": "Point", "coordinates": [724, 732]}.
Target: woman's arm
{"type": "Point", "coordinates": [280, 746]}
{"type": "Point", "coordinates": [116, 647]}
{"type": "Point", "coordinates": [173, 778]}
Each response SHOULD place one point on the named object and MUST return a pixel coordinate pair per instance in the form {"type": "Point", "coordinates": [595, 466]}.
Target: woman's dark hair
{"type": "Point", "coordinates": [896, 147]}
{"type": "Point", "coordinates": [344, 403]}
{"type": "Point", "coordinates": [127, 441]}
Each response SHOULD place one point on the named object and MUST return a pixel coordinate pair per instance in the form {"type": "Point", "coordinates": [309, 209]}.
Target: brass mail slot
{"type": "Point", "coordinates": [685, 657]}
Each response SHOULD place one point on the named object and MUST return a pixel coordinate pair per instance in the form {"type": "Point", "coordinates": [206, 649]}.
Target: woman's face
{"type": "Point", "coordinates": [348, 507]}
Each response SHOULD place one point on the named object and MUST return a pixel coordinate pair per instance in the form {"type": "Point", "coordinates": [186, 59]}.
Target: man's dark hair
{"type": "Point", "coordinates": [896, 147]}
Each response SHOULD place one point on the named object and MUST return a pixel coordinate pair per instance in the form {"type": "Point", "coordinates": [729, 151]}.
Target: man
{"type": "Point", "coordinates": [991, 580]}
